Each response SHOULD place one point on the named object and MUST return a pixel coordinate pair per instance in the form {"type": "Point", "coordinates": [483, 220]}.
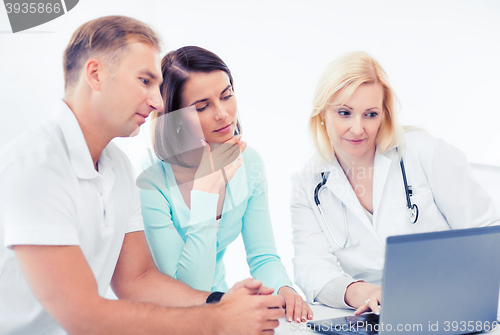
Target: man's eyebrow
{"type": "Point", "coordinates": [149, 73]}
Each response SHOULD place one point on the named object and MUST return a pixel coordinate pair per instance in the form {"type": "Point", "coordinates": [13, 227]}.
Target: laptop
{"type": "Point", "coordinates": [443, 282]}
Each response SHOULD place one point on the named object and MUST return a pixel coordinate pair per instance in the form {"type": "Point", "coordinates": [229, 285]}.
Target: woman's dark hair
{"type": "Point", "coordinates": [176, 67]}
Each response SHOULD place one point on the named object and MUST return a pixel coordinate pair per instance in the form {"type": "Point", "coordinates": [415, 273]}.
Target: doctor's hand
{"type": "Point", "coordinates": [296, 308]}
{"type": "Point", "coordinates": [364, 296]}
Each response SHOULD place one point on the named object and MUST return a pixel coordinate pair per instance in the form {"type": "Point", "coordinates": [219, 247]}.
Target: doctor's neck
{"type": "Point", "coordinates": [353, 165]}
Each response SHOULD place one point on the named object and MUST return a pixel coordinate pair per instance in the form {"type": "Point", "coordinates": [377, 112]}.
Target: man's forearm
{"type": "Point", "coordinates": [242, 312]}
{"type": "Point", "coordinates": [160, 289]}
{"type": "Point", "coordinates": [130, 317]}
{"type": "Point", "coordinates": [137, 278]}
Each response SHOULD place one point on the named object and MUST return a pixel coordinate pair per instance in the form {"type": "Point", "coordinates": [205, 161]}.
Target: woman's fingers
{"type": "Point", "coordinates": [289, 307]}
{"type": "Point", "coordinates": [361, 309]}
{"type": "Point", "coordinates": [298, 308]}
{"type": "Point", "coordinates": [307, 313]}
{"type": "Point", "coordinates": [370, 304]}
{"type": "Point", "coordinates": [242, 145]}
{"type": "Point", "coordinates": [224, 146]}
{"type": "Point", "coordinates": [301, 310]}
{"type": "Point", "coordinates": [374, 305]}
{"type": "Point", "coordinates": [227, 153]}
{"type": "Point", "coordinates": [235, 141]}
{"type": "Point", "coordinates": [233, 154]}
{"type": "Point", "coordinates": [226, 156]}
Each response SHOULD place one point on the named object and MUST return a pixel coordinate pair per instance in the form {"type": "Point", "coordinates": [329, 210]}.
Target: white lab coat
{"type": "Point", "coordinates": [444, 190]}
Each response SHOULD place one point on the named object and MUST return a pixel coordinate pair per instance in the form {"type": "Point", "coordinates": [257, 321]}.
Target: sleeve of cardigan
{"type": "Point", "coordinates": [257, 231]}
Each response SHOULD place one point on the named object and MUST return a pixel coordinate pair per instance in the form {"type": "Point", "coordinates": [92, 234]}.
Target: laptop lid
{"type": "Point", "coordinates": [441, 282]}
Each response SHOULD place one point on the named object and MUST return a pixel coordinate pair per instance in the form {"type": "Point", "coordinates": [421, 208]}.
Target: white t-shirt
{"type": "Point", "coordinates": [51, 195]}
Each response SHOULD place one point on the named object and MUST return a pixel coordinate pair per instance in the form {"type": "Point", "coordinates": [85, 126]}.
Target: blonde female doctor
{"type": "Point", "coordinates": [370, 179]}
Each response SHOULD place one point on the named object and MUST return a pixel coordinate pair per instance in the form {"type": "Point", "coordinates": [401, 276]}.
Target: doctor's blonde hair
{"type": "Point", "coordinates": [339, 80]}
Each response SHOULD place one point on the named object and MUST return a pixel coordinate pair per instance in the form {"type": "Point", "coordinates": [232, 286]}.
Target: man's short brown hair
{"type": "Point", "coordinates": [109, 36]}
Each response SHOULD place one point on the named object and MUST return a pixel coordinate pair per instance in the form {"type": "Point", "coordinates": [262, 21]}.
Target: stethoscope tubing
{"type": "Point", "coordinates": [412, 208]}
{"type": "Point", "coordinates": [324, 177]}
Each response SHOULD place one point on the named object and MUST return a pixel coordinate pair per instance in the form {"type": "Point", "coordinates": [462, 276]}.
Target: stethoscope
{"type": "Point", "coordinates": [412, 208]}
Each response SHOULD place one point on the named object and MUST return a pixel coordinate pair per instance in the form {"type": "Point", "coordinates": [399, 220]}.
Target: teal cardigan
{"type": "Point", "coordinates": [189, 245]}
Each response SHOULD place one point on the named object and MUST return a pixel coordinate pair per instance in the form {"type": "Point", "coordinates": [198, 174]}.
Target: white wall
{"type": "Point", "coordinates": [442, 58]}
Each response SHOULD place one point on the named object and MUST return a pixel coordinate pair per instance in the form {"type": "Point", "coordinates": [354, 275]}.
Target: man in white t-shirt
{"type": "Point", "coordinates": [70, 219]}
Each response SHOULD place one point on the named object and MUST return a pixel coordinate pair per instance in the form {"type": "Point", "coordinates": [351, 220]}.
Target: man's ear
{"type": "Point", "coordinates": [94, 73]}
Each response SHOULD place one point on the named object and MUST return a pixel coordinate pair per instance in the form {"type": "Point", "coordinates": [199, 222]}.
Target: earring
{"type": "Point", "coordinates": [322, 123]}
{"type": "Point", "coordinates": [178, 128]}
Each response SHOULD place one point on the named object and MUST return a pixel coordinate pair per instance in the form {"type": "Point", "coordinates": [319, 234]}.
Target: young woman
{"type": "Point", "coordinates": [353, 196]}
{"type": "Point", "coordinates": [195, 201]}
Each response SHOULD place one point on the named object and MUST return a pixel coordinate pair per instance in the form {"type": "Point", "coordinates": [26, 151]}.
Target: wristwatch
{"type": "Point", "coordinates": [214, 297]}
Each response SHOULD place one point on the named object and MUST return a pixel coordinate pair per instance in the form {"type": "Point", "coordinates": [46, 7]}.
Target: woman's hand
{"type": "Point", "coordinates": [364, 296]}
{"type": "Point", "coordinates": [226, 152]}
{"type": "Point", "coordinates": [296, 308]}
{"type": "Point", "coordinates": [207, 177]}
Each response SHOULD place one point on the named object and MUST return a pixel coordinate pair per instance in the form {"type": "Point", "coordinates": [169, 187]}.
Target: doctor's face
{"type": "Point", "coordinates": [352, 126]}
{"type": "Point", "coordinates": [212, 96]}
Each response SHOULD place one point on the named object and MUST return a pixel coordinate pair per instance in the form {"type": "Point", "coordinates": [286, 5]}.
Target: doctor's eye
{"type": "Point", "coordinates": [144, 81]}
{"type": "Point", "coordinates": [344, 112]}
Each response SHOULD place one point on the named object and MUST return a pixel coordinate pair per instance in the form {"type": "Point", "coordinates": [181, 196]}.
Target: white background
{"type": "Point", "coordinates": [442, 57]}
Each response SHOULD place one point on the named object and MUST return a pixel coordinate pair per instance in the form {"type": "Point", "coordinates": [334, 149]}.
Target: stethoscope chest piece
{"type": "Point", "coordinates": [413, 210]}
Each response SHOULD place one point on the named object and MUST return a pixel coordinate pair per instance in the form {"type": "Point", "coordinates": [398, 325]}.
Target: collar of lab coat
{"type": "Point", "coordinates": [339, 185]}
